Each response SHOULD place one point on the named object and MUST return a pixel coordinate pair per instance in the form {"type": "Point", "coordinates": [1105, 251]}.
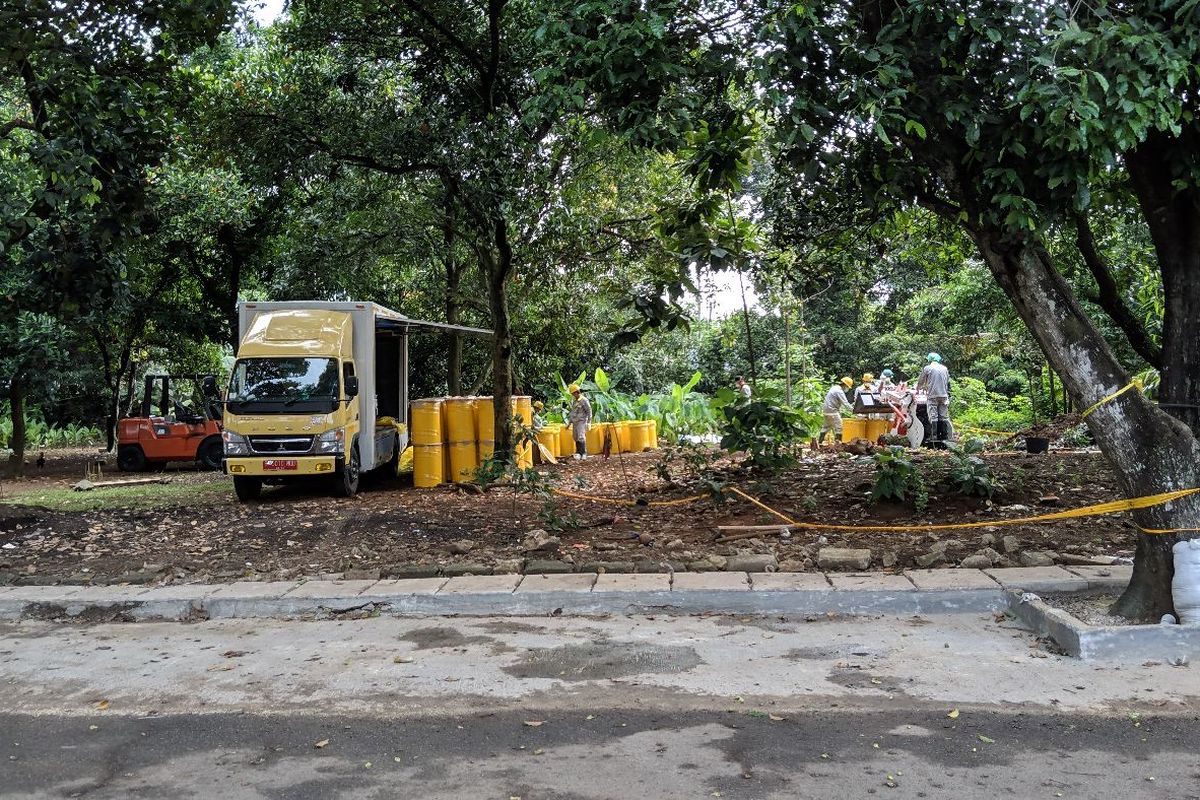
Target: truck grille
{"type": "Point", "coordinates": [281, 445]}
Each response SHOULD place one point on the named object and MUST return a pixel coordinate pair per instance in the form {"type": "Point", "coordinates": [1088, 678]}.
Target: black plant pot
{"type": "Point", "coordinates": [1036, 444]}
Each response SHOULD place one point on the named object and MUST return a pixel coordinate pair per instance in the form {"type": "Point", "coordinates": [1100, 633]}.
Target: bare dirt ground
{"type": "Point", "coordinates": [193, 528]}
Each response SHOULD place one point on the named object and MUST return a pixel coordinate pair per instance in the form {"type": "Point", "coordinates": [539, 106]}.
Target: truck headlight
{"type": "Point", "coordinates": [333, 441]}
{"type": "Point", "coordinates": [235, 444]}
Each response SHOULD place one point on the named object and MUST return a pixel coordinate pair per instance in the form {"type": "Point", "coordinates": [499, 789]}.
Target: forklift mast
{"type": "Point", "coordinates": [161, 385]}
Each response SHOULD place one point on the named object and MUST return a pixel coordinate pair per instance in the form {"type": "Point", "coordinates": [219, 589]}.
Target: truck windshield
{"type": "Point", "coordinates": [284, 385]}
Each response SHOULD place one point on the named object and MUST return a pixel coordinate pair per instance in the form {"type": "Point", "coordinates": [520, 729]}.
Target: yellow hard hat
{"type": "Point", "coordinates": [539, 405]}
{"type": "Point", "coordinates": [847, 381]}
{"type": "Point", "coordinates": [867, 377]}
{"type": "Point", "coordinates": [573, 388]}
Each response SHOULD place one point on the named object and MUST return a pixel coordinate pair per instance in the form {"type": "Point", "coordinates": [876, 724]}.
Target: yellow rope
{"type": "Point", "coordinates": [764, 506]}
{"type": "Point", "coordinates": [1134, 384]}
{"type": "Point", "coordinates": [621, 501]}
{"type": "Point", "coordinates": [1097, 509]}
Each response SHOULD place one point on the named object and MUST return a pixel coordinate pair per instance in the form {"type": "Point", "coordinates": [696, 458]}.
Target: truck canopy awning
{"type": "Point", "coordinates": [405, 325]}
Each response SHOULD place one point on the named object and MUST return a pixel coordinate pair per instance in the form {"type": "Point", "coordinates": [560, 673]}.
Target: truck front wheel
{"type": "Point", "coordinates": [247, 489]}
{"type": "Point", "coordinates": [347, 481]}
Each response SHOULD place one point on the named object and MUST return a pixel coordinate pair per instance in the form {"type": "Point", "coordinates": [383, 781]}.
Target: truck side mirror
{"type": "Point", "coordinates": [351, 386]}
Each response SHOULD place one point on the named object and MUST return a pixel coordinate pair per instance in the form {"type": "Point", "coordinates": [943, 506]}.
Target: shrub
{"type": "Point", "coordinates": [969, 473]}
{"type": "Point", "coordinates": [766, 432]}
{"type": "Point", "coordinates": [897, 477]}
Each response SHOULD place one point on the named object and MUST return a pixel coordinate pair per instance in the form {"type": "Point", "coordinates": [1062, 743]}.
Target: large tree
{"type": "Point", "coordinates": [1001, 117]}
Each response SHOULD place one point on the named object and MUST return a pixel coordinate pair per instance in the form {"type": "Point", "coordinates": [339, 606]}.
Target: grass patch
{"type": "Point", "coordinates": [147, 495]}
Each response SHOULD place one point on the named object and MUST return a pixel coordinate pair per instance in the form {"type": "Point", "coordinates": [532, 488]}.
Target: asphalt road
{"type": "Point", "coordinates": [584, 709]}
{"type": "Point", "coordinates": [628, 754]}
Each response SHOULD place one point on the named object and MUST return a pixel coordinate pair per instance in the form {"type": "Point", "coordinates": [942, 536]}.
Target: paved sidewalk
{"type": "Point", "coordinates": [912, 592]}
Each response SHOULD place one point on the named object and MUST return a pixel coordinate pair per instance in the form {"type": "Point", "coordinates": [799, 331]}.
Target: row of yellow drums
{"type": "Point", "coordinates": [869, 428]}
{"type": "Point", "coordinates": [626, 436]}
{"type": "Point", "coordinates": [452, 436]}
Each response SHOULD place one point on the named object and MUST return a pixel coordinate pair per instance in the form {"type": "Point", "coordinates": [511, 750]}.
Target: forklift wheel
{"type": "Point", "coordinates": [211, 453]}
{"type": "Point", "coordinates": [130, 458]}
{"type": "Point", "coordinates": [247, 488]}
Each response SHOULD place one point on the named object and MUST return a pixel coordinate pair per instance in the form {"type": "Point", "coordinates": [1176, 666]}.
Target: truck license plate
{"type": "Point", "coordinates": [279, 463]}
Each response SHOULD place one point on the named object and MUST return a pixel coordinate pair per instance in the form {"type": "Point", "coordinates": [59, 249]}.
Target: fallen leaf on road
{"type": "Point", "coordinates": [538, 752]}
{"type": "Point", "coordinates": [953, 714]}
{"type": "Point", "coordinates": [321, 744]}
{"type": "Point", "coordinates": [987, 739]}
{"type": "Point", "coordinates": [101, 705]}
{"type": "Point", "coordinates": [221, 667]}
{"type": "Point", "coordinates": [774, 718]}
{"type": "Point", "coordinates": [233, 654]}
{"type": "Point", "coordinates": [403, 660]}
{"type": "Point", "coordinates": [534, 723]}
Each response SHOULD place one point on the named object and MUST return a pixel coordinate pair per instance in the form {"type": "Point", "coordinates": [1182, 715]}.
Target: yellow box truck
{"type": "Point", "coordinates": [318, 390]}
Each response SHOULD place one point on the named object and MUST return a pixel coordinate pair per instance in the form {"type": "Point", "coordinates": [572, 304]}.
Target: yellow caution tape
{"type": "Point", "coordinates": [985, 430]}
{"type": "Point", "coordinates": [1134, 384]}
{"type": "Point", "coordinates": [621, 501]}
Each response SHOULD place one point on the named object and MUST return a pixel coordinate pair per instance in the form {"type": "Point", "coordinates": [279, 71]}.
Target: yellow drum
{"type": "Point", "coordinates": [486, 450]}
{"type": "Point", "coordinates": [625, 436]}
{"type": "Point", "coordinates": [523, 408]}
{"type": "Point", "coordinates": [877, 428]}
{"type": "Point", "coordinates": [428, 467]}
{"type": "Point", "coordinates": [566, 441]}
{"type": "Point", "coordinates": [427, 421]}
{"type": "Point", "coordinates": [854, 429]}
{"type": "Point", "coordinates": [639, 434]}
{"type": "Point", "coordinates": [548, 438]}
{"type": "Point", "coordinates": [460, 420]}
{"type": "Point", "coordinates": [464, 458]}
{"type": "Point", "coordinates": [595, 440]}
{"type": "Point", "coordinates": [652, 434]}
{"type": "Point", "coordinates": [485, 419]}
{"type": "Point", "coordinates": [525, 455]}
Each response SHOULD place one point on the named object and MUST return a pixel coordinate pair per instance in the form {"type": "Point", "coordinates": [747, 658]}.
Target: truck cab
{"type": "Point", "coordinates": [318, 391]}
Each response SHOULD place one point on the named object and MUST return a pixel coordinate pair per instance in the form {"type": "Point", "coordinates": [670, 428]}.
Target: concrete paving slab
{"type": "Point", "coordinates": [324, 589]}
{"type": "Point", "coordinates": [482, 584]}
{"type": "Point", "coordinates": [256, 590]}
{"type": "Point", "coordinates": [183, 591]}
{"type": "Point", "coordinates": [637, 582]}
{"type": "Point", "coordinates": [1116, 576]}
{"type": "Point", "coordinates": [869, 582]}
{"type": "Point", "coordinates": [406, 586]}
{"type": "Point", "coordinates": [14, 602]}
{"type": "Point", "coordinates": [710, 582]}
{"type": "Point", "coordinates": [579, 582]}
{"type": "Point", "coordinates": [942, 579]}
{"type": "Point", "coordinates": [789, 582]}
{"type": "Point", "coordinates": [1038, 579]}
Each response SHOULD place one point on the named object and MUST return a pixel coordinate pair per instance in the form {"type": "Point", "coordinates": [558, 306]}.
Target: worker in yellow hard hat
{"type": "Point", "coordinates": [835, 401]}
{"type": "Point", "coordinates": [580, 417]}
{"type": "Point", "coordinates": [866, 387]}
{"type": "Point", "coordinates": [538, 421]}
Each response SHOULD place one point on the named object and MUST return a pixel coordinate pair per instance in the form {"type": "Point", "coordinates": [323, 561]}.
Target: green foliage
{"type": "Point", "coordinates": [969, 473]}
{"type": "Point", "coordinates": [974, 405]}
{"type": "Point", "coordinates": [897, 477]}
{"type": "Point", "coordinates": [768, 433]}
{"type": "Point", "coordinates": [677, 411]}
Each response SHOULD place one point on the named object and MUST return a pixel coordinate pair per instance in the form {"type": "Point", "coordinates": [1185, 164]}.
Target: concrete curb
{"type": "Point", "coordinates": [917, 592]}
{"type": "Point", "coordinates": [1173, 644]}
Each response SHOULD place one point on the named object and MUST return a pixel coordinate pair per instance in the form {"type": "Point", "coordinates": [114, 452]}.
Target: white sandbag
{"type": "Point", "coordinates": [1185, 586]}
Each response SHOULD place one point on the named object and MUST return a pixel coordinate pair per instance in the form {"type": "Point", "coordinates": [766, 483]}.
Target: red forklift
{"type": "Point", "coordinates": [179, 432]}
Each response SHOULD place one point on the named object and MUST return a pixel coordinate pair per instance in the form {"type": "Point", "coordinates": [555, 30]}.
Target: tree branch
{"type": "Point", "coordinates": [14, 124]}
{"type": "Point", "coordinates": [1110, 295]}
{"type": "Point", "coordinates": [418, 7]}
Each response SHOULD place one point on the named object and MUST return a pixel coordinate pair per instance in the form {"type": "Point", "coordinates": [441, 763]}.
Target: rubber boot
{"type": "Point", "coordinates": [942, 433]}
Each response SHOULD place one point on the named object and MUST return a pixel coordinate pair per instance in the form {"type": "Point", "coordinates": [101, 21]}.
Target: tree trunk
{"type": "Point", "coordinates": [453, 308]}
{"type": "Point", "coordinates": [498, 265]}
{"type": "Point", "coordinates": [787, 356]}
{"type": "Point", "coordinates": [16, 405]}
{"type": "Point", "coordinates": [1173, 218]}
{"type": "Point", "coordinates": [1149, 451]}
